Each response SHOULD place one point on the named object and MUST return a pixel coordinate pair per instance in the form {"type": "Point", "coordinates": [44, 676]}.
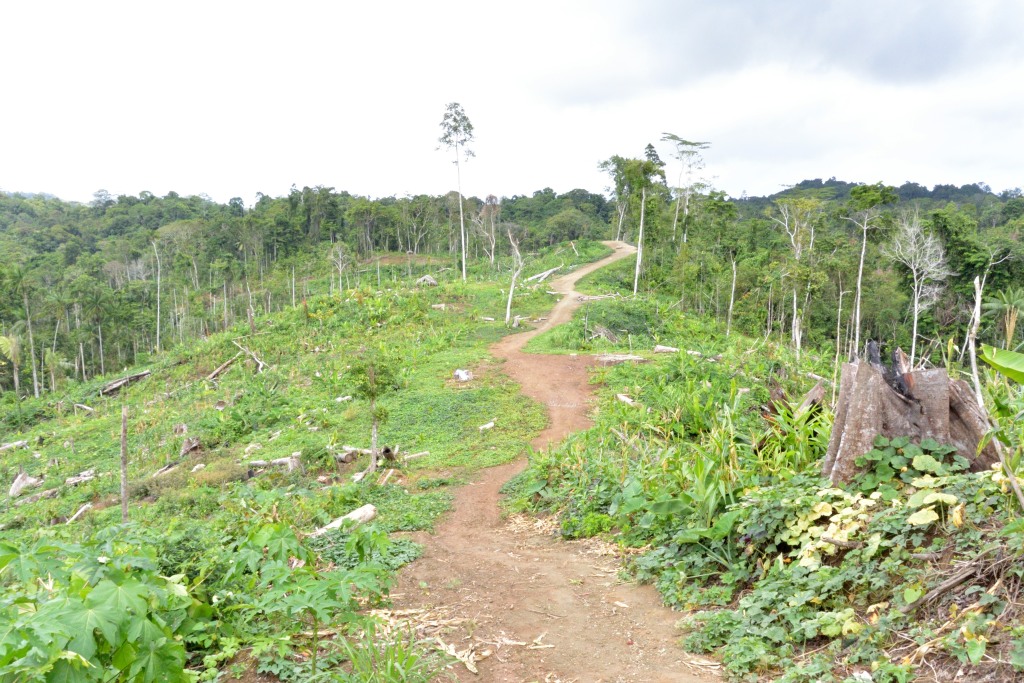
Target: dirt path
{"type": "Point", "coordinates": [515, 581]}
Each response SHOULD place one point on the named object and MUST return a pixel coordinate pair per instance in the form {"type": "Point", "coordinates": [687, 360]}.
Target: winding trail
{"type": "Point", "coordinates": [519, 583]}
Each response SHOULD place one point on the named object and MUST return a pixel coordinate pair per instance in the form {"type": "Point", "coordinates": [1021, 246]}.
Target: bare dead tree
{"type": "Point", "coordinates": [922, 254]}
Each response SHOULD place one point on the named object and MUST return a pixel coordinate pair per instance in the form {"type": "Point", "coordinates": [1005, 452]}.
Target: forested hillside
{"type": "Point", "coordinates": [84, 289]}
{"type": "Point", "coordinates": [274, 342]}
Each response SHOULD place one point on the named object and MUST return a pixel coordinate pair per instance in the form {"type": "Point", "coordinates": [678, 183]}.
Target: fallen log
{"type": "Point", "coordinates": [49, 493]}
{"type": "Point", "coordinates": [80, 478]}
{"type": "Point", "coordinates": [166, 469]}
{"type": "Point", "coordinates": [540, 277]}
{"type": "Point", "coordinates": [82, 406]}
{"type": "Point", "coordinates": [223, 366]}
{"type": "Point", "coordinates": [292, 462]}
{"type": "Point", "coordinates": [426, 281]}
{"type": "Point", "coordinates": [358, 516]}
{"type": "Point", "coordinates": [115, 386]}
{"type": "Point", "coordinates": [81, 511]}
{"type": "Point", "coordinates": [416, 455]}
{"type": "Point", "coordinates": [625, 399]}
{"type": "Point", "coordinates": [21, 482]}
{"type": "Point", "coordinates": [14, 444]}
{"type": "Point", "coordinates": [617, 358]}
{"type": "Point", "coordinates": [665, 349]}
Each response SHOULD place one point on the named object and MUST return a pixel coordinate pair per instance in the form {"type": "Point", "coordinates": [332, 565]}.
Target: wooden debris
{"type": "Point", "coordinates": [665, 349]}
{"type": "Point", "coordinates": [489, 425]}
{"type": "Point", "coordinates": [426, 281]}
{"type": "Point", "coordinates": [81, 511]}
{"type": "Point", "coordinates": [439, 307]}
{"type": "Point", "coordinates": [596, 297]}
{"type": "Point", "coordinates": [13, 445]}
{"type": "Point", "coordinates": [190, 444]}
{"type": "Point", "coordinates": [812, 398]}
{"type": "Point", "coordinates": [540, 277]}
{"type": "Point", "coordinates": [260, 365]}
{"type": "Point", "coordinates": [343, 399]}
{"type": "Point", "coordinates": [359, 516]}
{"type": "Point", "coordinates": [292, 462]}
{"type": "Point", "coordinates": [617, 358]}
{"type": "Point", "coordinates": [223, 366]}
{"type": "Point", "coordinates": [487, 319]}
{"type": "Point", "coordinates": [49, 493]}
{"type": "Point", "coordinates": [604, 333]}
{"type": "Point", "coordinates": [82, 406]}
{"type": "Point", "coordinates": [115, 386]}
{"type": "Point", "coordinates": [166, 469]}
{"type": "Point", "coordinates": [625, 399]}
{"type": "Point", "coordinates": [80, 478]}
{"type": "Point", "coordinates": [461, 375]}
{"type": "Point", "coordinates": [21, 482]}
{"type": "Point", "coordinates": [710, 359]}
{"type": "Point", "coordinates": [416, 455]}
{"type": "Point", "coordinates": [200, 466]}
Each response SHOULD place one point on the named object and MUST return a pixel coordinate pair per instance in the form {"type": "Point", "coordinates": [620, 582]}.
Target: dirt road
{"type": "Point", "coordinates": [547, 609]}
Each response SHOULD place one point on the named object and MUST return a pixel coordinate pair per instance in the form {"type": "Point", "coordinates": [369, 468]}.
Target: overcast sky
{"type": "Point", "coordinates": [234, 98]}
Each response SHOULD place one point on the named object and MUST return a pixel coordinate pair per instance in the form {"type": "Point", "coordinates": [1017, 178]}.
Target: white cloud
{"type": "Point", "coordinates": [231, 99]}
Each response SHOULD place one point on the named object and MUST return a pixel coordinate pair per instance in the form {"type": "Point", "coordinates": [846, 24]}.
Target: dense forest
{"type": "Point", "coordinates": [88, 288]}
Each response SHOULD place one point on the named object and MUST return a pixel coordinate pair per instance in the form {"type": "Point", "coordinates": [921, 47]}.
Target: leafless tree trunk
{"type": "Point", "coordinates": [922, 254]}
{"type": "Point", "coordinates": [517, 269]}
{"type": "Point", "coordinates": [640, 241]}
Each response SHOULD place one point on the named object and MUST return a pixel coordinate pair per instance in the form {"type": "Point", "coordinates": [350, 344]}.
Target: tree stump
{"type": "Point", "coordinates": [920, 404]}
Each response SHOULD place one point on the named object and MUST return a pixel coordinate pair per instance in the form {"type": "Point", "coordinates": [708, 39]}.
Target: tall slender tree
{"type": "Point", "coordinates": [456, 133]}
{"type": "Point", "coordinates": [688, 154]}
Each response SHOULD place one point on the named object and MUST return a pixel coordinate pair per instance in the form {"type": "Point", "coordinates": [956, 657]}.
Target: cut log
{"type": "Point", "coordinates": [665, 349]}
{"type": "Point", "coordinates": [21, 482]}
{"type": "Point", "coordinates": [14, 444]}
{"type": "Point", "coordinates": [426, 281]}
{"type": "Point", "coordinates": [223, 366]}
{"type": "Point", "coordinates": [292, 462]}
{"type": "Point", "coordinates": [930, 406]}
{"type": "Point", "coordinates": [115, 386]}
{"type": "Point", "coordinates": [617, 358]}
{"type": "Point", "coordinates": [356, 517]}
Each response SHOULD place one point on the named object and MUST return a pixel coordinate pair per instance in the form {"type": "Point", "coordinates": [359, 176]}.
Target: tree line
{"type": "Point", "coordinates": [89, 288]}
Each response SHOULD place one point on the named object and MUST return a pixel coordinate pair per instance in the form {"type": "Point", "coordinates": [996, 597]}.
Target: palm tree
{"type": "Point", "coordinates": [1009, 303]}
{"type": "Point", "coordinates": [10, 346]}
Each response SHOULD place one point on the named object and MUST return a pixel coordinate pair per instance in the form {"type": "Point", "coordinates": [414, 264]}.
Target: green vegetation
{"type": "Point", "coordinates": [780, 573]}
{"type": "Point", "coordinates": [310, 300]}
{"type": "Point", "coordinates": [216, 570]}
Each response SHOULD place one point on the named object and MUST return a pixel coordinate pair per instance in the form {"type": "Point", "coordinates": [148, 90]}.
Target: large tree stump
{"type": "Point", "coordinates": [927, 404]}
